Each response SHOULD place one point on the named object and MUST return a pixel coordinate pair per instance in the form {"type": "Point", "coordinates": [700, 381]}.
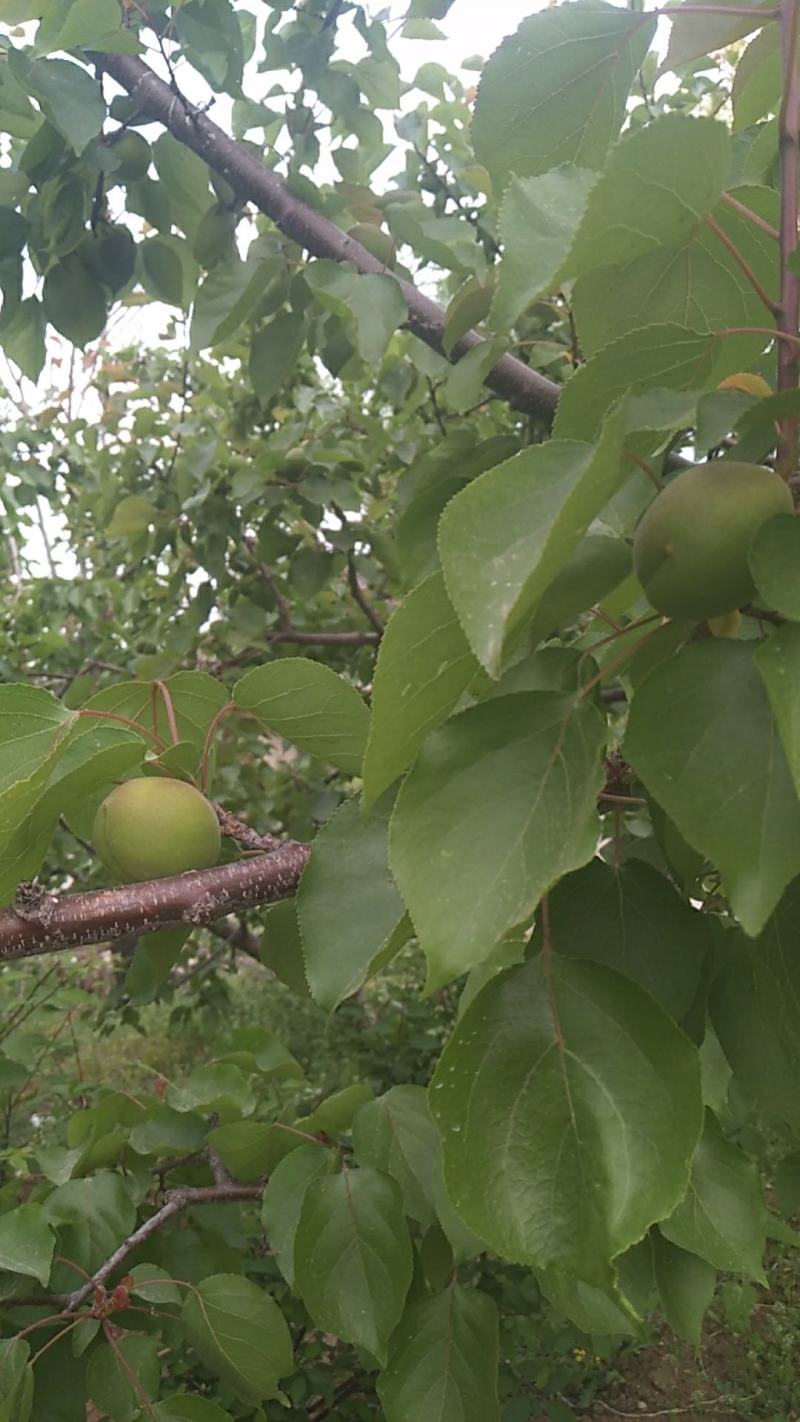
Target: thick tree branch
{"type": "Point", "coordinates": [523, 388]}
{"type": "Point", "coordinates": [199, 897]}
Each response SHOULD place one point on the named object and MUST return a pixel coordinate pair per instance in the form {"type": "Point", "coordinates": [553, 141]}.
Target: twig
{"type": "Point", "coordinates": [236, 829]}
{"type": "Point", "coordinates": [437, 414]}
{"type": "Point", "coordinates": [84, 843]}
{"type": "Point", "coordinates": [177, 1200]}
{"type": "Point", "coordinates": [360, 597]}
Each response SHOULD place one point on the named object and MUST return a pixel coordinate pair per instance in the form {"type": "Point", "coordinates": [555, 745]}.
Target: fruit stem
{"type": "Point", "coordinates": [788, 314]}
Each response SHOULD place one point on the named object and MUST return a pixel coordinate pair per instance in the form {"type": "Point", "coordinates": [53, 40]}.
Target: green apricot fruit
{"type": "Point", "coordinates": [691, 545]}
{"type": "Point", "coordinates": [151, 828]}
{"type": "Point", "coordinates": [376, 241]}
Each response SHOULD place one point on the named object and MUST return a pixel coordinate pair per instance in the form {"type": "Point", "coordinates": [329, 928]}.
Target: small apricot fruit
{"type": "Point", "coordinates": [150, 828]}
{"type": "Point", "coordinates": [691, 544]}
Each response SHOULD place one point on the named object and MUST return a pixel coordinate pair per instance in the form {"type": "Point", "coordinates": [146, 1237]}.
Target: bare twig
{"type": "Point", "coordinates": [177, 1200]}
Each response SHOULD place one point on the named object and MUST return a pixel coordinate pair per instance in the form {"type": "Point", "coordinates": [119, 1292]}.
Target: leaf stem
{"type": "Point", "coordinates": [743, 264]}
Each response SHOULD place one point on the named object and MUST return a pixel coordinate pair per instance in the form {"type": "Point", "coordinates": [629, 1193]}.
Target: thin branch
{"type": "Point", "coordinates": [361, 598]}
{"type": "Point", "coordinates": [437, 414]}
{"type": "Point", "coordinates": [197, 897]}
{"type": "Point", "coordinates": [323, 639]}
{"type": "Point", "coordinates": [249, 838]}
{"type": "Point", "coordinates": [177, 1200]}
{"type": "Point", "coordinates": [281, 602]}
{"type": "Point", "coordinates": [743, 265]}
{"type": "Point", "coordinates": [525, 389]}
{"type": "Point", "coordinates": [48, 551]}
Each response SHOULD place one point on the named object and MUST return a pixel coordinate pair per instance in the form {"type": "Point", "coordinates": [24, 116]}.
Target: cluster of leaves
{"type": "Point", "coordinates": [495, 801]}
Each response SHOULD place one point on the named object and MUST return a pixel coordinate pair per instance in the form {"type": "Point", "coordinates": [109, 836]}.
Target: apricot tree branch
{"type": "Point", "coordinates": [177, 1200]}
{"type": "Point", "coordinates": [198, 897]}
{"type": "Point", "coordinates": [525, 389]}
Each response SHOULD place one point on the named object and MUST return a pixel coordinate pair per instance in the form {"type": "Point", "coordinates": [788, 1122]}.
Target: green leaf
{"type": "Point", "coordinates": [118, 1377]}
{"type": "Point", "coordinates": [334, 1116]}
{"type": "Point", "coordinates": [778, 661]}
{"type": "Point", "coordinates": [311, 706]}
{"type": "Point", "coordinates": [340, 949]}
{"type": "Point", "coordinates": [775, 568]}
{"type": "Point", "coordinates": [695, 278]}
{"type": "Point", "coordinates": [225, 299]}
{"type": "Point", "coordinates": [22, 337]}
{"type": "Point", "coordinates": [722, 1218]}
{"type": "Point", "coordinates": [152, 1283]}
{"type": "Point", "coordinates": [686, 1287]}
{"type": "Point", "coordinates": [133, 514]}
{"type": "Point", "coordinates": [161, 1130]}
{"type": "Point", "coordinates": [632, 919]}
{"type": "Point", "coordinates": [538, 221]}
{"type": "Point", "coordinates": [353, 1257]}
{"type": "Point", "coordinates": [395, 1134]}
{"type": "Point", "coordinates": [698, 33]}
{"type": "Point", "coordinates": [563, 1072]}
{"type": "Point", "coordinates": [597, 566]}
{"type": "Point", "coordinates": [660, 355]}
{"type": "Point", "coordinates": [74, 302]}
{"type": "Point", "coordinates": [555, 91]}
{"type": "Point", "coordinates": [374, 302]}
{"type": "Point", "coordinates": [466, 309]}
{"type": "Point", "coordinates": [464, 385]}
{"type": "Point", "coordinates": [274, 353]}
{"type": "Point", "coordinates": [186, 1407]}
{"type": "Point", "coordinates": [284, 1196]}
{"type": "Point", "coordinates": [281, 947]}
{"type": "Point", "coordinates": [752, 1008]}
{"type": "Point", "coordinates": [26, 1242]}
{"type": "Point", "coordinates": [67, 24]}
{"type": "Point", "coordinates": [504, 538]}
{"type": "Point", "coordinates": [16, 1380]}
{"type": "Point", "coordinates": [92, 1216]}
{"type": "Point", "coordinates": [185, 178]}
{"type": "Point", "coordinates": [212, 40]}
{"type": "Point", "coordinates": [500, 804]}
{"type": "Point", "coordinates": [155, 956]}
{"type": "Point", "coordinates": [244, 1147]}
{"type": "Point", "coordinates": [424, 666]}
{"type": "Point", "coordinates": [219, 1087]}
{"type": "Point", "coordinates": [168, 269]}
{"type": "Point", "coordinates": [658, 184]}
{"type": "Point", "coordinates": [720, 773]}
{"type": "Point", "coordinates": [69, 97]}
{"type": "Point", "coordinates": [443, 1361]}
{"type": "Point", "coordinates": [756, 87]}
{"type": "Point", "coordinates": [240, 1334]}
{"type": "Point", "coordinates": [34, 727]}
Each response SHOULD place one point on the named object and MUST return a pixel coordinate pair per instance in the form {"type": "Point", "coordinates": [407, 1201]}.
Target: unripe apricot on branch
{"type": "Point", "coordinates": [149, 829]}
{"type": "Point", "coordinates": [690, 547]}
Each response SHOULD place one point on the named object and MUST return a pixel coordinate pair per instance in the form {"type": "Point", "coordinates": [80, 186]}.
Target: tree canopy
{"type": "Point", "coordinates": [354, 548]}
